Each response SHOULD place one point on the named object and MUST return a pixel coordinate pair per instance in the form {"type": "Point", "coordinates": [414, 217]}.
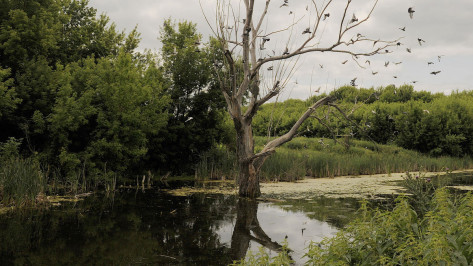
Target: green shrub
{"type": "Point", "coordinates": [444, 236]}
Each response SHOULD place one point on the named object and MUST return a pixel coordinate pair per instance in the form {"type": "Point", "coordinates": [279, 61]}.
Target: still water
{"type": "Point", "coordinates": [151, 227]}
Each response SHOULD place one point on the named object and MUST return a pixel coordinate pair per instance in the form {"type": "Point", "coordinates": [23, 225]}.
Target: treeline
{"type": "Point", "coordinates": [79, 101]}
{"type": "Point", "coordinates": [434, 124]}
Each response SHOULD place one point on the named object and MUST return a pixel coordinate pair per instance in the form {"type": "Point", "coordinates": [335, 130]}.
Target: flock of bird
{"type": "Point", "coordinates": [354, 19]}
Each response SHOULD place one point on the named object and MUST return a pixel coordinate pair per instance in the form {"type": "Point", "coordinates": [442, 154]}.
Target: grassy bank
{"type": "Point", "coordinates": [319, 157]}
{"type": "Point", "coordinates": [443, 236]}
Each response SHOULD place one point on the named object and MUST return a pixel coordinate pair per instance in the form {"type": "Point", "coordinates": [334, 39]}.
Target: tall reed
{"type": "Point", "coordinates": [21, 181]}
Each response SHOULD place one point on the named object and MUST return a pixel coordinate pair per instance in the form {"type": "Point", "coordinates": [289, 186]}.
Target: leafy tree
{"type": "Point", "coordinates": [8, 97]}
{"type": "Point", "coordinates": [106, 112]}
{"type": "Point", "coordinates": [37, 38]}
{"type": "Point", "coordinates": [196, 105]}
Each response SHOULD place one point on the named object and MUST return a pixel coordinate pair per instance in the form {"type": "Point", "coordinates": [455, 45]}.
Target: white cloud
{"type": "Point", "coordinates": [445, 25]}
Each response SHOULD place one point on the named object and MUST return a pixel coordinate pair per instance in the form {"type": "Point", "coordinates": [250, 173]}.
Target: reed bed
{"type": "Point", "coordinates": [321, 157]}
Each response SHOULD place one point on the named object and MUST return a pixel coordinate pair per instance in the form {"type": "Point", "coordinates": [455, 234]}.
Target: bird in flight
{"type": "Point", "coordinates": [352, 82]}
{"type": "Point", "coordinates": [374, 73]}
{"type": "Point", "coordinates": [430, 63]}
{"type": "Point", "coordinates": [414, 81]}
{"type": "Point", "coordinates": [439, 57]}
{"type": "Point", "coordinates": [403, 29]}
{"type": "Point", "coordinates": [326, 15]}
{"type": "Point", "coordinates": [408, 49]}
{"type": "Point", "coordinates": [284, 4]}
{"type": "Point", "coordinates": [307, 30]}
{"type": "Point", "coordinates": [353, 19]}
{"type": "Point", "coordinates": [395, 77]}
{"type": "Point", "coordinates": [411, 11]}
{"type": "Point", "coordinates": [344, 62]}
{"type": "Point", "coordinates": [435, 72]}
{"type": "Point", "coordinates": [270, 68]}
{"type": "Point", "coordinates": [368, 62]}
{"type": "Point", "coordinates": [398, 43]}
{"type": "Point", "coordinates": [420, 41]}
{"type": "Point", "coordinates": [386, 64]}
{"type": "Point", "coordinates": [321, 66]}
{"type": "Point", "coordinates": [397, 63]}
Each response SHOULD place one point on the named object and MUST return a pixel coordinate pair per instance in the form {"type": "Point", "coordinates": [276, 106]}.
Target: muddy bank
{"type": "Point", "coordinates": [364, 186]}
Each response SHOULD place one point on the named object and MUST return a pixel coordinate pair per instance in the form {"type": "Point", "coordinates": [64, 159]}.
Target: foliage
{"type": "Point", "coordinates": [216, 163]}
{"type": "Point", "coordinates": [8, 97]}
{"type": "Point", "coordinates": [435, 124]}
{"type": "Point", "coordinates": [398, 237]}
{"type": "Point", "coordinates": [321, 157]}
{"type": "Point", "coordinates": [21, 181]}
{"type": "Point", "coordinates": [105, 113]}
{"type": "Point", "coordinates": [197, 106]}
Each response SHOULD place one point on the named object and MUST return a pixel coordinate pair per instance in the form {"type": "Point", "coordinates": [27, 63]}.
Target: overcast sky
{"type": "Point", "coordinates": [445, 25]}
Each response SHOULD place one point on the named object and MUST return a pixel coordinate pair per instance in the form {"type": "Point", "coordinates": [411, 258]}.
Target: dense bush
{"type": "Point", "coordinates": [435, 124]}
{"type": "Point", "coordinates": [444, 236]}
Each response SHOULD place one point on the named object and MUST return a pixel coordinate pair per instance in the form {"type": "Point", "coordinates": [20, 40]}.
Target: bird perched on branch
{"type": "Point", "coordinates": [286, 52]}
{"type": "Point", "coordinates": [411, 11]}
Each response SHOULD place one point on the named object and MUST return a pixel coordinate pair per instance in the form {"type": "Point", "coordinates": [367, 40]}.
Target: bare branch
{"type": "Point", "coordinates": [289, 135]}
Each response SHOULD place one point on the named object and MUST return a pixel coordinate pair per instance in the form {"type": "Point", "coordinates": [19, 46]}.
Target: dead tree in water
{"type": "Point", "coordinates": [253, 73]}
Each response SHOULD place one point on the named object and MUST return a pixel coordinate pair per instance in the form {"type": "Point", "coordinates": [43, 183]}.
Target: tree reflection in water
{"type": "Point", "coordinates": [156, 228]}
{"type": "Point", "coordinates": [247, 223]}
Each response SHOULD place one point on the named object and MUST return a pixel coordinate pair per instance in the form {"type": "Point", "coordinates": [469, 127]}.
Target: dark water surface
{"type": "Point", "coordinates": [133, 227]}
{"type": "Point", "coordinates": [151, 227]}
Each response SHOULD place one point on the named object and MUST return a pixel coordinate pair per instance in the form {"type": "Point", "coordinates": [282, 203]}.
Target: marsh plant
{"type": "Point", "coordinates": [443, 236]}
{"type": "Point", "coordinates": [322, 157]}
{"type": "Point", "coordinates": [21, 181]}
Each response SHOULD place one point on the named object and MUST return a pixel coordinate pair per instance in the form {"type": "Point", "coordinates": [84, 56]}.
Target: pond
{"type": "Point", "coordinates": [134, 227]}
{"type": "Point", "coordinates": [154, 227]}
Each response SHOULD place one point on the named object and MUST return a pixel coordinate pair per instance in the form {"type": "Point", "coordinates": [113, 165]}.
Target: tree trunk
{"type": "Point", "coordinates": [248, 179]}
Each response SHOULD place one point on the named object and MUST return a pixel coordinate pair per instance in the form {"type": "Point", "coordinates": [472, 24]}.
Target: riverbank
{"type": "Point", "coordinates": [363, 186]}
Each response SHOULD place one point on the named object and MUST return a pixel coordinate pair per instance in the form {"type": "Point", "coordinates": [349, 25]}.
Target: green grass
{"type": "Point", "coordinates": [317, 157]}
{"type": "Point", "coordinates": [21, 180]}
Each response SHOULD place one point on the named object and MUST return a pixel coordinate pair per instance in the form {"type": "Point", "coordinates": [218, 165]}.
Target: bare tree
{"type": "Point", "coordinates": [244, 79]}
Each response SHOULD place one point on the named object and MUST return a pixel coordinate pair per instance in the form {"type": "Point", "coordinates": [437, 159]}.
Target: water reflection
{"type": "Point", "coordinates": [133, 227]}
{"type": "Point", "coordinates": [247, 223]}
